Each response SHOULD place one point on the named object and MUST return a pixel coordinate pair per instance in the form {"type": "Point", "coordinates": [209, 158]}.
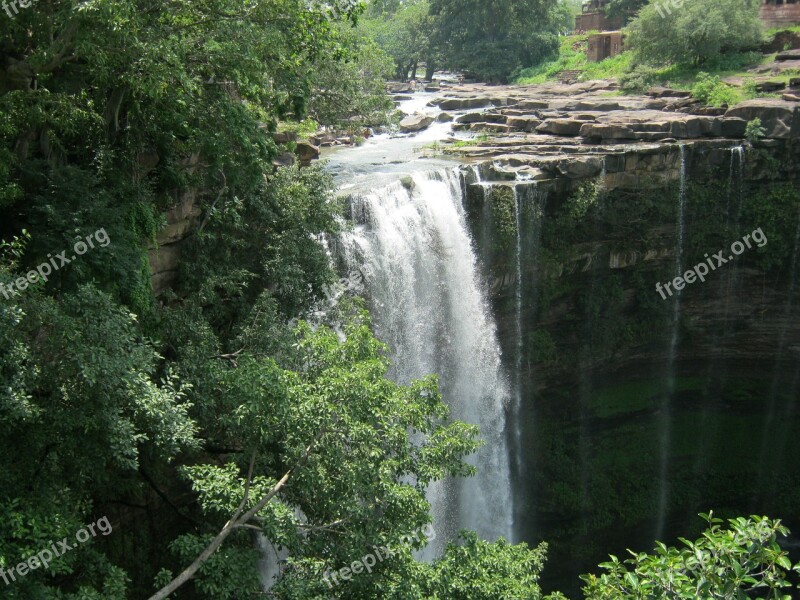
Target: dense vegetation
{"type": "Point", "coordinates": [201, 419]}
{"type": "Point", "coordinates": [679, 47]}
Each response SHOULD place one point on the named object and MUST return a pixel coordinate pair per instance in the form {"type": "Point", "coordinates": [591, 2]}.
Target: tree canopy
{"type": "Point", "coordinates": [697, 33]}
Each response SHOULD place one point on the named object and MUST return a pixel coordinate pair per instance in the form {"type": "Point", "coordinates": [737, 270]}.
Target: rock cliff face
{"type": "Point", "coordinates": [639, 409]}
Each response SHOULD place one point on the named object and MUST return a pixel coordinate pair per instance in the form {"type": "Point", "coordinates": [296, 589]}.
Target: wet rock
{"type": "Point", "coordinates": [415, 122]}
{"type": "Point", "coordinates": [493, 127]}
{"type": "Point", "coordinates": [444, 117]}
{"type": "Point", "coordinates": [463, 103]}
{"type": "Point", "coordinates": [481, 118]}
{"type": "Point", "coordinates": [399, 88]}
{"type": "Point", "coordinates": [580, 168]}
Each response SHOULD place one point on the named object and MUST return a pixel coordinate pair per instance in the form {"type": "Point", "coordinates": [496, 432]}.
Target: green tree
{"type": "Point", "coordinates": [333, 457]}
{"type": "Point", "coordinates": [741, 561]}
{"type": "Point", "coordinates": [697, 33]}
{"type": "Point", "coordinates": [405, 33]}
{"type": "Point", "coordinates": [492, 38]}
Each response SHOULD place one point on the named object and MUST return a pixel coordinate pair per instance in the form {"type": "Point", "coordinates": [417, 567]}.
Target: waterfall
{"type": "Point", "coordinates": [667, 398]}
{"type": "Point", "coordinates": [784, 382]}
{"type": "Point", "coordinates": [421, 279]}
{"type": "Point", "coordinates": [518, 331]}
{"type": "Point", "coordinates": [736, 172]}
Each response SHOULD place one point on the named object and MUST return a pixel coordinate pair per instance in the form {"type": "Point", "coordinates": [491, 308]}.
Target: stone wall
{"type": "Point", "coordinates": [780, 15]}
{"type": "Point", "coordinates": [597, 21]}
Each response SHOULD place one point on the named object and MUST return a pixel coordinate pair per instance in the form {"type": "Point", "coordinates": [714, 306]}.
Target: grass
{"type": "Point", "coordinates": [572, 57]}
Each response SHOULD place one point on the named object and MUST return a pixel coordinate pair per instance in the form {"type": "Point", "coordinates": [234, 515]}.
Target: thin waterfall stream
{"type": "Point", "coordinates": [671, 388]}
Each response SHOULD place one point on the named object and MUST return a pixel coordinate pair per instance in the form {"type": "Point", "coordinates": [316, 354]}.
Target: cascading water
{"type": "Point", "coordinates": [420, 273]}
{"type": "Point", "coordinates": [735, 188]}
{"type": "Point", "coordinates": [667, 398]}
{"type": "Point", "coordinates": [518, 329]}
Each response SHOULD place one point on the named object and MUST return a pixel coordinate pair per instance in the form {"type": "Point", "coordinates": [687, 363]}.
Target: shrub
{"type": "Point", "coordinates": [754, 131]}
{"type": "Point", "coordinates": [710, 90]}
{"type": "Point", "coordinates": [697, 33]}
{"type": "Point", "coordinates": [639, 79]}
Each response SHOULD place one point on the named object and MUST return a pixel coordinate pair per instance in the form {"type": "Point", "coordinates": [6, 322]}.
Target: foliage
{"type": "Point", "coordinates": [350, 93]}
{"type": "Point", "coordinates": [639, 78]}
{"type": "Point", "coordinates": [710, 90]}
{"type": "Point", "coordinates": [475, 570]}
{"type": "Point", "coordinates": [753, 131]}
{"type": "Point", "coordinates": [724, 564]}
{"type": "Point", "coordinates": [572, 57]}
{"type": "Point", "coordinates": [698, 33]}
{"type": "Point", "coordinates": [492, 38]}
{"type": "Point", "coordinates": [625, 8]}
{"type": "Point", "coordinates": [404, 31]}
{"type": "Point", "coordinates": [373, 446]}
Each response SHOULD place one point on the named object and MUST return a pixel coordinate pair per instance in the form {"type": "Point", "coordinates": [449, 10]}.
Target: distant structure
{"type": "Point", "coordinates": [593, 17]}
{"type": "Point", "coordinates": [780, 13]}
{"type": "Point", "coordinates": [605, 45]}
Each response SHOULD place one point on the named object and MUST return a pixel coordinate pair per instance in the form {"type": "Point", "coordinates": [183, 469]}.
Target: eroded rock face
{"type": "Point", "coordinates": [779, 118]}
{"type": "Point", "coordinates": [415, 122]}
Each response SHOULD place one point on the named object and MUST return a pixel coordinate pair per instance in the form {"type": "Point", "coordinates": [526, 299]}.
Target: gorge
{"type": "Point", "coordinates": [526, 278]}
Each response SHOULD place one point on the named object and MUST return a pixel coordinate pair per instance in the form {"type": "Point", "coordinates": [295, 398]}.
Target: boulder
{"type": "Point", "coordinates": [779, 118]}
{"type": "Point", "coordinates": [444, 117]}
{"type": "Point", "coordinates": [284, 137]}
{"type": "Point", "coordinates": [415, 122]}
{"type": "Point", "coordinates": [732, 127]}
{"type": "Point", "coordinates": [788, 55]}
{"type": "Point", "coordinates": [769, 87]}
{"type": "Point", "coordinates": [481, 118]}
{"type": "Point", "coordinates": [791, 97]}
{"type": "Point", "coordinates": [399, 88]}
{"type": "Point", "coordinates": [463, 103]}
{"type": "Point", "coordinates": [607, 131]}
{"type": "Point", "coordinates": [568, 127]}
{"type": "Point", "coordinates": [493, 127]}
{"type": "Point", "coordinates": [284, 159]}
{"type": "Point", "coordinates": [527, 124]}
{"type": "Point", "coordinates": [580, 168]}
{"type": "Point", "coordinates": [306, 152]}
{"type": "Point", "coordinates": [662, 92]}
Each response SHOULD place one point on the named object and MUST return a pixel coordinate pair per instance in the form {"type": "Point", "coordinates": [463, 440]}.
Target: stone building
{"type": "Point", "coordinates": [593, 17]}
{"type": "Point", "coordinates": [605, 45]}
{"type": "Point", "coordinates": [780, 13]}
